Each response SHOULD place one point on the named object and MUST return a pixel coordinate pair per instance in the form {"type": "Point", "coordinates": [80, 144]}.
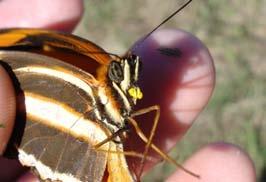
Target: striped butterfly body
{"type": "Point", "coordinates": [68, 110]}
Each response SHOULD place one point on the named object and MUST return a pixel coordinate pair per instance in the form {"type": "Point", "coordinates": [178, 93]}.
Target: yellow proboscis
{"type": "Point", "coordinates": [135, 92]}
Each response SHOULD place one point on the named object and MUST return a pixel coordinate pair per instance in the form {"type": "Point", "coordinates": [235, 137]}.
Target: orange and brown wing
{"type": "Point", "coordinates": [87, 55]}
{"type": "Point", "coordinates": [39, 37]}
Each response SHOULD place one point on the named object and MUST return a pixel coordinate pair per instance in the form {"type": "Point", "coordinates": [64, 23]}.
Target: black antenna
{"type": "Point", "coordinates": [165, 20]}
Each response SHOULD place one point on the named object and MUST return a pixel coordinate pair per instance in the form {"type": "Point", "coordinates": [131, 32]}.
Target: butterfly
{"type": "Point", "coordinates": [76, 105]}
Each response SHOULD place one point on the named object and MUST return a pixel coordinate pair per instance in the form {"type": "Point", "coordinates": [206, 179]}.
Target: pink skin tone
{"type": "Point", "coordinates": [181, 85]}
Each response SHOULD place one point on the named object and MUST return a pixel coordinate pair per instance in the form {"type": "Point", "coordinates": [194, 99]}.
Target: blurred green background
{"type": "Point", "coordinates": [235, 33]}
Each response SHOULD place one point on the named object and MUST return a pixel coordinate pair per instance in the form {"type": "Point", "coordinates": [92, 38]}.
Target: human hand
{"type": "Point", "coordinates": [184, 87]}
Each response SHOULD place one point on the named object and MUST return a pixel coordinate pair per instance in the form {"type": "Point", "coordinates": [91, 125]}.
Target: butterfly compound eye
{"type": "Point", "coordinates": [115, 72]}
{"type": "Point", "coordinates": [133, 57]}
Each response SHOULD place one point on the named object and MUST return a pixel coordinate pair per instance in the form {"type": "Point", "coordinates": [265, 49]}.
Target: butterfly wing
{"type": "Point", "coordinates": [69, 48]}
{"type": "Point", "coordinates": [60, 129]}
{"type": "Point", "coordinates": [55, 104]}
{"type": "Point", "coordinates": [41, 38]}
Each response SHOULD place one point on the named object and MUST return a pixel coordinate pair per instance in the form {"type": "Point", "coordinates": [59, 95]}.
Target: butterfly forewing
{"type": "Point", "coordinates": [50, 43]}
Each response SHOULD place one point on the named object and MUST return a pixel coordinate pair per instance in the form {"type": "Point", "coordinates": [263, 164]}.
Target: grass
{"type": "Point", "coordinates": [234, 32]}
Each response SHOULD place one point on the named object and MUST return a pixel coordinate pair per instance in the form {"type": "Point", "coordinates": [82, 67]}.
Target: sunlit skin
{"type": "Point", "coordinates": [183, 89]}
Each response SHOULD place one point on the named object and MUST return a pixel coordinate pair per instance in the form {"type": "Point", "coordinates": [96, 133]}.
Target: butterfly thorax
{"type": "Point", "coordinates": [119, 92]}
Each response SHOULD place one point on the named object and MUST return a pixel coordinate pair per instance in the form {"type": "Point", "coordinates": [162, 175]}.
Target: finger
{"type": "Point", "coordinates": [10, 169]}
{"type": "Point", "coordinates": [7, 108]}
{"type": "Point", "coordinates": [7, 118]}
{"type": "Point", "coordinates": [218, 162]}
{"type": "Point", "coordinates": [178, 74]}
{"type": "Point", "coordinates": [54, 14]}
{"type": "Point", "coordinates": [28, 177]}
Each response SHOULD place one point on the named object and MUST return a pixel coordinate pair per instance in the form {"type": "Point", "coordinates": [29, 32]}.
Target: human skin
{"type": "Point", "coordinates": [181, 84]}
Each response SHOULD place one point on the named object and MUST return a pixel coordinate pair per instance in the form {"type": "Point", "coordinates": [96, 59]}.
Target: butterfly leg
{"type": "Point", "coordinates": [157, 150]}
{"type": "Point", "coordinates": [155, 108]}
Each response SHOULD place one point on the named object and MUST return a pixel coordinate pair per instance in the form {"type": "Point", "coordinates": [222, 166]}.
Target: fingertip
{"type": "Point", "coordinates": [218, 162]}
{"type": "Point", "coordinates": [28, 177]}
{"type": "Point", "coordinates": [179, 75]}
{"type": "Point", "coordinates": [7, 108]}
{"type": "Point", "coordinates": [179, 67]}
{"type": "Point", "coordinates": [57, 15]}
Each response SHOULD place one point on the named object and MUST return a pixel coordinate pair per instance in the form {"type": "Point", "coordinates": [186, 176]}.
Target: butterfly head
{"type": "Point", "coordinates": [124, 75]}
